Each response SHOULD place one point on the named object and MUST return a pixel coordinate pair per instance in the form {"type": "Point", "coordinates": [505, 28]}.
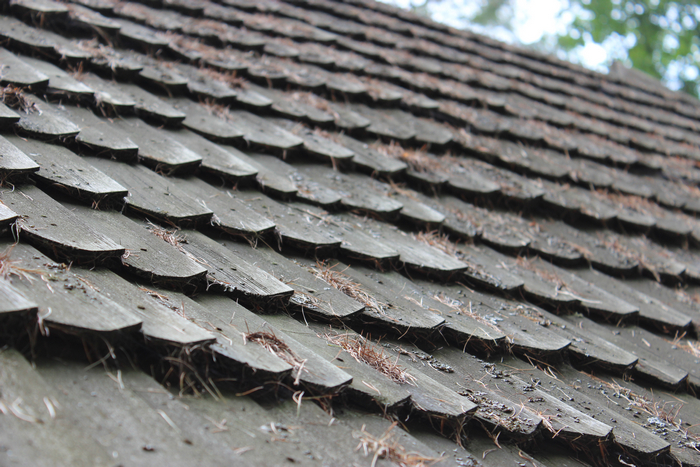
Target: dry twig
{"type": "Point", "coordinates": [13, 97]}
{"type": "Point", "coordinates": [365, 352]}
{"type": "Point", "coordinates": [346, 285]}
{"type": "Point", "coordinates": [279, 348]}
{"type": "Point", "coordinates": [387, 446]}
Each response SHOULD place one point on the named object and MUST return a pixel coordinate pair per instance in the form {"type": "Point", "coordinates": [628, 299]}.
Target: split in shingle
{"type": "Point", "coordinates": [227, 272]}
{"type": "Point", "coordinates": [98, 136]}
{"type": "Point", "coordinates": [50, 226]}
{"type": "Point", "coordinates": [146, 253]}
{"type": "Point", "coordinates": [312, 295]}
{"type": "Point", "coordinates": [69, 304]}
{"type": "Point", "coordinates": [62, 169]}
{"type": "Point", "coordinates": [232, 214]}
{"type": "Point", "coordinates": [157, 149]}
{"type": "Point", "coordinates": [44, 121]}
{"type": "Point", "coordinates": [153, 195]}
{"type": "Point", "coordinates": [13, 161]}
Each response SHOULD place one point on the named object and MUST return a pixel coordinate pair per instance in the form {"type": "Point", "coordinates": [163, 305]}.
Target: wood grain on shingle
{"type": "Point", "coordinates": [227, 272]}
{"type": "Point", "coordinates": [232, 213]}
{"type": "Point", "coordinates": [108, 95]}
{"type": "Point", "coordinates": [147, 105]}
{"type": "Point", "coordinates": [151, 194]}
{"type": "Point", "coordinates": [370, 160]}
{"type": "Point", "coordinates": [157, 149]}
{"type": "Point", "coordinates": [7, 116]}
{"type": "Point", "coordinates": [385, 308]}
{"type": "Point", "coordinates": [61, 84]}
{"type": "Point", "coordinates": [14, 161]}
{"type": "Point", "coordinates": [61, 168]}
{"type": "Point", "coordinates": [311, 294]}
{"type": "Point", "coordinates": [44, 121]}
{"type": "Point", "coordinates": [222, 161]}
{"type": "Point", "coordinates": [294, 229]}
{"type": "Point", "coordinates": [369, 387]}
{"type": "Point", "coordinates": [18, 73]}
{"type": "Point", "coordinates": [146, 255]}
{"type": "Point", "coordinates": [216, 310]}
{"type": "Point", "coordinates": [461, 328]}
{"type": "Point", "coordinates": [160, 323]}
{"type": "Point", "coordinates": [13, 301]}
{"type": "Point", "coordinates": [204, 121]}
{"type": "Point", "coordinates": [98, 136]}
{"type": "Point", "coordinates": [318, 374]}
{"type": "Point", "coordinates": [71, 303]}
{"type": "Point", "coordinates": [50, 226]}
{"type": "Point", "coordinates": [273, 175]}
{"type": "Point", "coordinates": [7, 216]}
{"type": "Point", "coordinates": [317, 143]}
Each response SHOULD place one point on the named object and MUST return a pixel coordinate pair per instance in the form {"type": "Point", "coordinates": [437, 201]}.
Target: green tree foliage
{"type": "Point", "coordinates": [665, 35]}
{"type": "Point", "coordinates": [660, 37]}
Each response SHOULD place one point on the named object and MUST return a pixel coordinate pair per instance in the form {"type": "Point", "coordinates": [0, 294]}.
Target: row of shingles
{"type": "Point", "coordinates": [201, 253]}
{"type": "Point", "coordinates": [298, 233]}
{"type": "Point", "coordinates": [206, 316]}
{"type": "Point", "coordinates": [470, 93]}
{"type": "Point", "coordinates": [157, 22]}
{"type": "Point", "coordinates": [152, 262]}
{"type": "Point", "coordinates": [252, 286]}
{"type": "Point", "coordinates": [582, 106]}
{"type": "Point", "coordinates": [492, 58]}
{"type": "Point", "coordinates": [592, 346]}
{"type": "Point", "coordinates": [625, 184]}
{"type": "Point", "coordinates": [297, 109]}
{"type": "Point", "coordinates": [589, 348]}
{"type": "Point", "coordinates": [310, 296]}
{"type": "Point", "coordinates": [484, 270]}
{"type": "Point", "coordinates": [547, 284]}
{"type": "Point", "coordinates": [497, 409]}
{"type": "Point", "coordinates": [249, 287]}
{"type": "Point", "coordinates": [656, 416]}
{"type": "Point", "coordinates": [615, 254]}
{"type": "Point", "coordinates": [434, 50]}
{"type": "Point", "coordinates": [511, 233]}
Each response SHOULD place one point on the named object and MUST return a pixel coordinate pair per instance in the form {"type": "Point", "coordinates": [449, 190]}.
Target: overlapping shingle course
{"type": "Point", "coordinates": [271, 205]}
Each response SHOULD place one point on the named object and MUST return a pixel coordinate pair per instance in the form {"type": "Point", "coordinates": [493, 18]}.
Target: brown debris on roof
{"type": "Point", "coordinates": [346, 285]}
{"type": "Point", "coordinates": [277, 347]}
{"type": "Point", "coordinates": [417, 159]}
{"type": "Point", "coordinates": [473, 122]}
{"type": "Point", "coordinates": [169, 236]}
{"type": "Point", "coordinates": [386, 446]}
{"type": "Point", "coordinates": [14, 98]}
{"type": "Point", "coordinates": [365, 351]}
{"type": "Point", "coordinates": [13, 267]}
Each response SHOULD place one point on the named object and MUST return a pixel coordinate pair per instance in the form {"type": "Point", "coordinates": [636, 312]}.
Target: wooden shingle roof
{"type": "Point", "coordinates": [335, 233]}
